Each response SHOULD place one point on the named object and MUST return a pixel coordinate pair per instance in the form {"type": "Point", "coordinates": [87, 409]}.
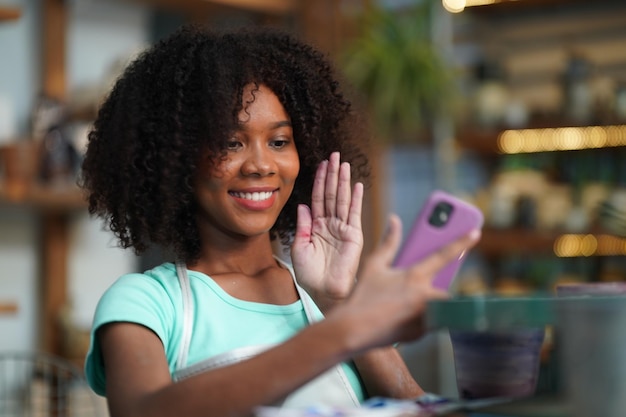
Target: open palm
{"type": "Point", "coordinates": [329, 236]}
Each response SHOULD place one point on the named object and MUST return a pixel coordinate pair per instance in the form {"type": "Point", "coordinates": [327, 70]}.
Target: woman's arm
{"type": "Point", "coordinates": [387, 305]}
{"type": "Point", "coordinates": [138, 381]}
{"type": "Point", "coordinates": [385, 374]}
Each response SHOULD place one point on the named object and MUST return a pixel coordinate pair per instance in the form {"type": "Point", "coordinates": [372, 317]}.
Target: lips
{"type": "Point", "coordinates": [254, 200]}
{"type": "Point", "coordinates": [255, 196]}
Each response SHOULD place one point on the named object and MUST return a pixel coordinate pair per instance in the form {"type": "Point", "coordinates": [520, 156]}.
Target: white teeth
{"type": "Point", "coordinates": [259, 196]}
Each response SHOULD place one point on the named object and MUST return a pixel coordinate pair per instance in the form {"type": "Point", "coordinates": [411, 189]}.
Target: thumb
{"type": "Point", "coordinates": [303, 226]}
{"type": "Point", "coordinates": [391, 240]}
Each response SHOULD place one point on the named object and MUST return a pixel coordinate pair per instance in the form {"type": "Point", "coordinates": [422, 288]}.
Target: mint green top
{"type": "Point", "coordinates": [221, 322]}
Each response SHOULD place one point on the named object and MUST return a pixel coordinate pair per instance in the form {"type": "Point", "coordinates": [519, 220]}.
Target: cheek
{"type": "Point", "coordinates": [291, 171]}
{"type": "Point", "coordinates": [207, 185]}
{"type": "Point", "coordinates": [214, 173]}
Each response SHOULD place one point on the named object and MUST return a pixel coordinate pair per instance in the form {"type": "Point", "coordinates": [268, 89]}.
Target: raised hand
{"type": "Point", "coordinates": [329, 236]}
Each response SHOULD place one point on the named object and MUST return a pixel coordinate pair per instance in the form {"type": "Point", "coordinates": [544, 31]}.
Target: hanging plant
{"type": "Point", "coordinates": [395, 66]}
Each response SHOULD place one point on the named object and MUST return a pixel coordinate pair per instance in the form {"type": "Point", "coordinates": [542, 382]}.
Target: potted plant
{"type": "Point", "coordinates": [404, 81]}
{"type": "Point", "coordinates": [393, 63]}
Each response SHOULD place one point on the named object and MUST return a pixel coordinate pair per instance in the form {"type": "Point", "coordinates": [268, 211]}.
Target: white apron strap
{"type": "Point", "coordinates": [188, 312]}
{"type": "Point", "coordinates": [344, 383]}
{"type": "Point", "coordinates": [217, 361]}
{"type": "Point", "coordinates": [333, 382]}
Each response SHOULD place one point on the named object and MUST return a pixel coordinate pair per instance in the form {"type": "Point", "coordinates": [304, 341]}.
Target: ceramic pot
{"type": "Point", "coordinates": [497, 363]}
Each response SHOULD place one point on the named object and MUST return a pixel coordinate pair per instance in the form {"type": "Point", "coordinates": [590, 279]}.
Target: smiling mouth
{"type": "Point", "coordinates": [256, 196]}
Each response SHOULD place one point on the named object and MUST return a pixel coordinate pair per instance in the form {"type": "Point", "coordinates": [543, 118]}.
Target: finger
{"type": "Point", "coordinates": [304, 224]}
{"type": "Point", "coordinates": [343, 192]}
{"type": "Point", "coordinates": [356, 206]}
{"type": "Point", "coordinates": [332, 179]}
{"type": "Point", "coordinates": [448, 253]}
{"type": "Point", "coordinates": [317, 197]}
{"type": "Point", "coordinates": [390, 243]}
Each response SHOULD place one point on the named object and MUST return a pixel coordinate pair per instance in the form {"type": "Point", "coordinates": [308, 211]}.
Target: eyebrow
{"type": "Point", "coordinates": [284, 123]}
{"type": "Point", "coordinates": [275, 125]}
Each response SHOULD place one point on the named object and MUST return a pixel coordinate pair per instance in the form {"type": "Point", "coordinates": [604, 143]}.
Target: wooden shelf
{"type": "Point", "coordinates": [486, 141]}
{"type": "Point", "coordinates": [497, 242]}
{"type": "Point", "coordinates": [82, 114]}
{"type": "Point", "coordinates": [54, 207]}
{"type": "Point", "coordinates": [66, 198]}
{"type": "Point", "coordinates": [278, 7]}
{"type": "Point", "coordinates": [8, 307]}
{"type": "Point", "coordinates": [506, 7]}
{"type": "Point", "coordinates": [9, 13]}
{"type": "Point", "coordinates": [483, 141]}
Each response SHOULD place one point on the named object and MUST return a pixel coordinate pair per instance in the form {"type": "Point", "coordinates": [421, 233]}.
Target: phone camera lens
{"type": "Point", "coordinates": [440, 214]}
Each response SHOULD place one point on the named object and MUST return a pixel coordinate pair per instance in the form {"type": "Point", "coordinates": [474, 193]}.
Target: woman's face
{"type": "Point", "coordinates": [243, 194]}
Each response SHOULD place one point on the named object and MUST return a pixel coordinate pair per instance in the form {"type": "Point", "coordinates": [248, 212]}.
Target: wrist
{"type": "Point", "coordinates": [326, 304]}
{"type": "Point", "coordinates": [327, 300]}
{"type": "Point", "coordinates": [349, 329]}
{"type": "Point", "coordinates": [330, 338]}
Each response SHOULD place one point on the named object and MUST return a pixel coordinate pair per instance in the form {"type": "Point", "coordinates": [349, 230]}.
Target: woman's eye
{"type": "Point", "coordinates": [233, 145]}
{"type": "Point", "coordinates": [279, 143]}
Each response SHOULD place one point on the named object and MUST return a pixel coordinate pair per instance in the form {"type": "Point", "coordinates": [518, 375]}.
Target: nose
{"type": "Point", "coordinates": [259, 162]}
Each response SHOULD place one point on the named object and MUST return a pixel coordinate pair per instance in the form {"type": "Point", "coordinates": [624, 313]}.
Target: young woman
{"type": "Point", "coordinates": [234, 151]}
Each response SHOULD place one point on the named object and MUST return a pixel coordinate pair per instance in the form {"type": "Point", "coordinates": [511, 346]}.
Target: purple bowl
{"type": "Point", "coordinates": [497, 363]}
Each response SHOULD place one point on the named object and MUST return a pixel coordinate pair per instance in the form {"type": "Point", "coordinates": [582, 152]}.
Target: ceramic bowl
{"type": "Point", "coordinates": [497, 363]}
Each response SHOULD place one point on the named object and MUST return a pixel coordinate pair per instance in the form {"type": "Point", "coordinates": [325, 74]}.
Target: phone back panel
{"type": "Point", "coordinates": [425, 238]}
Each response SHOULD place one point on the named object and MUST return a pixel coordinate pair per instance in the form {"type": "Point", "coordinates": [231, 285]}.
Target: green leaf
{"type": "Point", "coordinates": [395, 65]}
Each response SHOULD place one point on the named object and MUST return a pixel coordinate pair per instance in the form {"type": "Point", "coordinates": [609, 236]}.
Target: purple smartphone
{"type": "Point", "coordinates": [442, 219]}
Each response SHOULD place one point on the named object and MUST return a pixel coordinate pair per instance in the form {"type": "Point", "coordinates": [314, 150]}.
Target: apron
{"type": "Point", "coordinates": [332, 388]}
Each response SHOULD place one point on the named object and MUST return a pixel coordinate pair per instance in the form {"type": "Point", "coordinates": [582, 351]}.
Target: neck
{"type": "Point", "coordinates": [247, 256]}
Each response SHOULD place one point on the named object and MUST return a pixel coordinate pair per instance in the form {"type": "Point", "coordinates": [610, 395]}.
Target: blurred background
{"type": "Point", "coordinates": [517, 106]}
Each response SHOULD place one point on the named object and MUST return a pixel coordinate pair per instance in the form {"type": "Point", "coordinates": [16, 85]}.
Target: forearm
{"type": "Point", "coordinates": [385, 374]}
{"type": "Point", "coordinates": [135, 388]}
{"type": "Point", "coordinates": [265, 379]}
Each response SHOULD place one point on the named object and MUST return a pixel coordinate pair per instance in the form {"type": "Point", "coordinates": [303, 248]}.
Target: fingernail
{"type": "Point", "coordinates": [474, 234]}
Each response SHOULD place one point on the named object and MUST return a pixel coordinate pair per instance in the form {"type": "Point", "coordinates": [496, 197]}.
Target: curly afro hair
{"type": "Point", "coordinates": [181, 98]}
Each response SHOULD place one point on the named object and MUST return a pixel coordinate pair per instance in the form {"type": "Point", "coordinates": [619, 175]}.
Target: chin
{"type": "Point", "coordinates": [255, 231]}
